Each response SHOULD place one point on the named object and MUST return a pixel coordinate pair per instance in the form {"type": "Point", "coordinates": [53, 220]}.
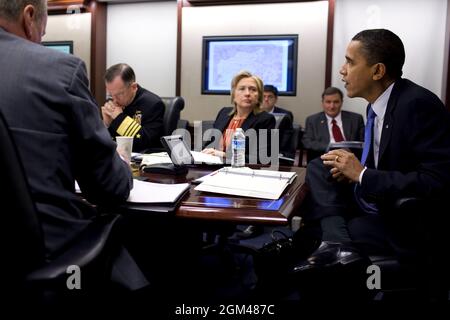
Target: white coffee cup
{"type": "Point", "coordinates": [124, 147]}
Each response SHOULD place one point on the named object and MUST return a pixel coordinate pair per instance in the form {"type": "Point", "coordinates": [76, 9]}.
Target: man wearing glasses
{"type": "Point", "coordinates": [131, 110]}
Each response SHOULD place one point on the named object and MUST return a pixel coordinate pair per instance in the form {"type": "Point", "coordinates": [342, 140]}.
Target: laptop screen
{"type": "Point", "coordinates": [177, 150]}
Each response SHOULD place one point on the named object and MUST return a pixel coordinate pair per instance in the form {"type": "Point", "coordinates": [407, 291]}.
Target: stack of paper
{"type": "Point", "coordinates": [156, 193]}
{"type": "Point", "coordinates": [265, 184]}
{"type": "Point", "coordinates": [153, 193]}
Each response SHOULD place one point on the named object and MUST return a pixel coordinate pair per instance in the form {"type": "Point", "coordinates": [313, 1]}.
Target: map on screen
{"type": "Point", "coordinates": [267, 60]}
{"type": "Point", "coordinates": [273, 60]}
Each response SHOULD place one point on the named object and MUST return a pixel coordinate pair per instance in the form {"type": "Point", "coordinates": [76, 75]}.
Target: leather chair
{"type": "Point", "coordinates": [290, 142]}
{"type": "Point", "coordinates": [425, 278]}
{"type": "Point", "coordinates": [27, 274]}
{"type": "Point", "coordinates": [429, 278]}
{"type": "Point", "coordinates": [174, 105]}
{"type": "Point", "coordinates": [171, 120]}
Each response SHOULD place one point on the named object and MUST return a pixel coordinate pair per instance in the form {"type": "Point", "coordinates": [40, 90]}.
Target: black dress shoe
{"type": "Point", "coordinates": [329, 254]}
{"type": "Point", "coordinates": [250, 232]}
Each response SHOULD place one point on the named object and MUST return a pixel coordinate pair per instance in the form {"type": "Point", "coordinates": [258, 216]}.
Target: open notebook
{"type": "Point", "coordinates": [265, 184]}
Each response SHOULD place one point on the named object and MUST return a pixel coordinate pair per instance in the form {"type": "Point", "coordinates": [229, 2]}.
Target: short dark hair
{"type": "Point", "coordinates": [123, 70]}
{"type": "Point", "coordinates": [332, 90]}
{"type": "Point", "coordinates": [10, 10]}
{"type": "Point", "coordinates": [383, 46]}
{"type": "Point", "coordinates": [271, 88]}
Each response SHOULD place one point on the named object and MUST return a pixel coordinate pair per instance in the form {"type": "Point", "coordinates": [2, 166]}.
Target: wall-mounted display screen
{"type": "Point", "coordinates": [63, 46]}
{"type": "Point", "coordinates": [273, 58]}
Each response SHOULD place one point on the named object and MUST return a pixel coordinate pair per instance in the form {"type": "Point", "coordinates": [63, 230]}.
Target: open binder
{"type": "Point", "coordinates": [265, 184]}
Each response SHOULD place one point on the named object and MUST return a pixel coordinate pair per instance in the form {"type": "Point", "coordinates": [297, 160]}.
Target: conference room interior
{"type": "Point", "coordinates": [163, 41]}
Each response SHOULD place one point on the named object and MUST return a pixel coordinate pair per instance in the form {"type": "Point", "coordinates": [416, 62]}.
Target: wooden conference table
{"type": "Point", "coordinates": [213, 207]}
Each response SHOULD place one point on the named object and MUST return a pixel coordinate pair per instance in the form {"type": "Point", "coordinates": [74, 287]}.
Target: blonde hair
{"type": "Point", "coordinates": [259, 86]}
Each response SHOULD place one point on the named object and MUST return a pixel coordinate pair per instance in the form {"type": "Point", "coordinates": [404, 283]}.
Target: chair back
{"type": "Point", "coordinates": [173, 105]}
{"type": "Point", "coordinates": [22, 239]}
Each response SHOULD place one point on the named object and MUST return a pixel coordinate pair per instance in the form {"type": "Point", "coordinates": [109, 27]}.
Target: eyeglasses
{"type": "Point", "coordinates": [121, 93]}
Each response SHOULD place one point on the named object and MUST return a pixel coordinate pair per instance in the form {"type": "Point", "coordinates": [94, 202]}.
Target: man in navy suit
{"type": "Point", "coordinates": [283, 124]}
{"type": "Point", "coordinates": [319, 126]}
{"type": "Point", "coordinates": [406, 154]}
{"type": "Point", "coordinates": [270, 99]}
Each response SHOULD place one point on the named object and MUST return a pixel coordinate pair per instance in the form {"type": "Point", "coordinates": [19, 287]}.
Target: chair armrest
{"type": "Point", "coordinates": [93, 242]}
{"type": "Point", "coordinates": [408, 203]}
{"type": "Point", "coordinates": [286, 160]}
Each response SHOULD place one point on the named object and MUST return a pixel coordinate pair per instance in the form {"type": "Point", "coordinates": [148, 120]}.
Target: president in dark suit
{"type": "Point", "coordinates": [406, 154]}
{"type": "Point", "coordinates": [331, 125]}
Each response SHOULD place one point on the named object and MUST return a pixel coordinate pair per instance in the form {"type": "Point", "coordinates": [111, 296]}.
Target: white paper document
{"type": "Point", "coordinates": [265, 184]}
{"type": "Point", "coordinates": [200, 157]}
{"type": "Point", "coordinates": [149, 192]}
{"type": "Point", "coordinates": [155, 158]}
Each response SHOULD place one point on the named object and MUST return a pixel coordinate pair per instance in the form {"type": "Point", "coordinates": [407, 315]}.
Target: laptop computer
{"type": "Point", "coordinates": [180, 153]}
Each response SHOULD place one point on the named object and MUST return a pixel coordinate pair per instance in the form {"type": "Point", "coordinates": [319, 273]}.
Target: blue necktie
{"type": "Point", "coordinates": [364, 205]}
{"type": "Point", "coordinates": [368, 135]}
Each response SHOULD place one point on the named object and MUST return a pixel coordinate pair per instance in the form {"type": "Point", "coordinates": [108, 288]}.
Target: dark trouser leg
{"type": "Point", "coordinates": [328, 201]}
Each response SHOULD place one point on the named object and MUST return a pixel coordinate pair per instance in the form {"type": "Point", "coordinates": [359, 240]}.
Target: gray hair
{"type": "Point", "coordinates": [11, 9]}
{"type": "Point", "coordinates": [123, 70]}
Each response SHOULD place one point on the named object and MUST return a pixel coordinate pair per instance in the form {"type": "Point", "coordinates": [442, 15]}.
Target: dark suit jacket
{"type": "Point", "coordinates": [286, 130]}
{"type": "Point", "coordinates": [317, 137]}
{"type": "Point", "coordinates": [414, 156]}
{"type": "Point", "coordinates": [281, 110]}
{"type": "Point", "coordinates": [259, 121]}
{"type": "Point", "coordinates": [60, 137]}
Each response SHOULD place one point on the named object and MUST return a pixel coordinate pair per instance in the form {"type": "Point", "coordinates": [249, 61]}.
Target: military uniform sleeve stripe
{"type": "Point", "coordinates": [128, 127]}
{"type": "Point", "coordinates": [133, 129]}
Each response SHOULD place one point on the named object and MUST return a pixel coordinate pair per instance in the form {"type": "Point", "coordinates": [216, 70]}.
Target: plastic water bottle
{"type": "Point", "coordinates": [238, 148]}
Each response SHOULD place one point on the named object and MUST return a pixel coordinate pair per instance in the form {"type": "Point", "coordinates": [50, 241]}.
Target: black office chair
{"type": "Point", "coordinates": [26, 272]}
{"type": "Point", "coordinates": [174, 105]}
{"type": "Point", "coordinates": [171, 120]}
{"type": "Point", "coordinates": [288, 146]}
{"type": "Point", "coordinates": [427, 279]}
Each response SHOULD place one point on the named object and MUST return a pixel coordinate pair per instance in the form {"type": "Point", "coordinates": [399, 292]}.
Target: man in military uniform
{"type": "Point", "coordinates": [132, 111]}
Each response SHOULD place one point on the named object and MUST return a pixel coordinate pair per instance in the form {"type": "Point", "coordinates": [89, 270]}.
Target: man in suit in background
{"type": "Point", "coordinates": [132, 111]}
{"type": "Point", "coordinates": [270, 99]}
{"type": "Point", "coordinates": [331, 125]}
{"type": "Point", "coordinates": [283, 124]}
{"type": "Point", "coordinates": [57, 129]}
{"type": "Point", "coordinates": [406, 154]}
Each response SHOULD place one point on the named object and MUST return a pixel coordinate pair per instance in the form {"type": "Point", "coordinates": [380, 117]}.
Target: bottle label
{"type": "Point", "coordinates": [238, 149]}
{"type": "Point", "coordinates": [239, 144]}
